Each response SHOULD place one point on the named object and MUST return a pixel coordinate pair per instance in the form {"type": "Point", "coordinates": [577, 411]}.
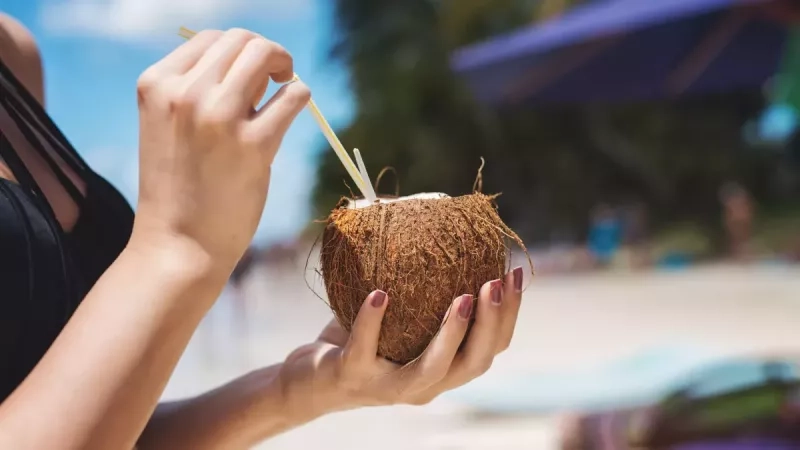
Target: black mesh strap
{"type": "Point", "coordinates": [36, 115]}
{"type": "Point", "coordinates": [45, 141]}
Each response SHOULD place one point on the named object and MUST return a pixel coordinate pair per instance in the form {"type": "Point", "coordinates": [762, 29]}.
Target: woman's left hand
{"type": "Point", "coordinates": [343, 371]}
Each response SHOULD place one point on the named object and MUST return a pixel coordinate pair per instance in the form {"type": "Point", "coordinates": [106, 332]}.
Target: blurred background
{"type": "Point", "coordinates": [647, 152]}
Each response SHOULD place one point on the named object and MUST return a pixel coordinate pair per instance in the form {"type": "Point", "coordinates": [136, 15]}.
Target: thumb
{"type": "Point", "coordinates": [362, 348]}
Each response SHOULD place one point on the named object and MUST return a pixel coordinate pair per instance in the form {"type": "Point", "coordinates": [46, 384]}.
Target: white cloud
{"type": "Point", "coordinates": [148, 20]}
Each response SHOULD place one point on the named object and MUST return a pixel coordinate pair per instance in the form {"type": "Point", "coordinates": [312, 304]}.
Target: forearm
{"type": "Point", "coordinates": [250, 409]}
{"type": "Point", "coordinates": [237, 415]}
{"type": "Point", "coordinates": [98, 384]}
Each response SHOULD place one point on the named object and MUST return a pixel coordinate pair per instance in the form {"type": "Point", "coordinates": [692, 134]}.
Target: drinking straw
{"type": "Point", "coordinates": [327, 131]}
{"type": "Point", "coordinates": [370, 192]}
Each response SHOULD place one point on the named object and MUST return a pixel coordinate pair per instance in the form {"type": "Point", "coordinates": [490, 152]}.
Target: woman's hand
{"type": "Point", "coordinates": [341, 371]}
{"type": "Point", "coordinates": [205, 153]}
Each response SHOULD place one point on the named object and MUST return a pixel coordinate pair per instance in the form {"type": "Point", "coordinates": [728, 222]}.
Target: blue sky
{"type": "Point", "coordinates": [94, 50]}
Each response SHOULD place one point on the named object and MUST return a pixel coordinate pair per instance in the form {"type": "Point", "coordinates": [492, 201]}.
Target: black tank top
{"type": "Point", "coordinates": [44, 271]}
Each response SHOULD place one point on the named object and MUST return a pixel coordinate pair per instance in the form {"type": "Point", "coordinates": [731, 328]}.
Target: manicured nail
{"type": "Point", "coordinates": [465, 306]}
{"type": "Point", "coordinates": [496, 289]}
{"type": "Point", "coordinates": [378, 297]}
{"type": "Point", "coordinates": [518, 279]}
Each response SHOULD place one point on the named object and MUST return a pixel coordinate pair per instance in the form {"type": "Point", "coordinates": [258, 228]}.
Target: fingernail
{"type": "Point", "coordinates": [465, 306]}
{"type": "Point", "coordinates": [378, 297]}
{"type": "Point", "coordinates": [496, 290]}
{"type": "Point", "coordinates": [518, 279]}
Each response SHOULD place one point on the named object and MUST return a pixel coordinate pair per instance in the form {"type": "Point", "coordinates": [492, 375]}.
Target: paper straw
{"type": "Point", "coordinates": [370, 192]}
{"type": "Point", "coordinates": [327, 131]}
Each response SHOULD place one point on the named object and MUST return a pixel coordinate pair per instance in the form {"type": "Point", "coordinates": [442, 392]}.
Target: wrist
{"type": "Point", "coordinates": [309, 392]}
{"type": "Point", "coordinates": [177, 257]}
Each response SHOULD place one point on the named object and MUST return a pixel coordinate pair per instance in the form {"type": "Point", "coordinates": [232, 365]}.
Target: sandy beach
{"type": "Point", "coordinates": [567, 324]}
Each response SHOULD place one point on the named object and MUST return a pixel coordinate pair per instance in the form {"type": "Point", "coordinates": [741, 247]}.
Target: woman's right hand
{"type": "Point", "coordinates": [204, 152]}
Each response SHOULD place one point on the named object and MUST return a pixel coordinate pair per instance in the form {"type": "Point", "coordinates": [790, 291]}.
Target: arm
{"type": "Point", "coordinates": [98, 384]}
{"type": "Point", "coordinates": [235, 416]}
{"type": "Point", "coordinates": [204, 171]}
{"type": "Point", "coordinates": [113, 380]}
{"type": "Point", "coordinates": [340, 371]}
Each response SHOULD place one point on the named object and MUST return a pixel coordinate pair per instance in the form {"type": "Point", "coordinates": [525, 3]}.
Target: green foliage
{"type": "Point", "coordinates": [778, 231]}
{"type": "Point", "coordinates": [687, 238]}
{"type": "Point", "coordinates": [552, 166]}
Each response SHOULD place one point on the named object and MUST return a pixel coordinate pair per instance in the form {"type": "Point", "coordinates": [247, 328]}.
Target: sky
{"type": "Point", "coordinates": [94, 50]}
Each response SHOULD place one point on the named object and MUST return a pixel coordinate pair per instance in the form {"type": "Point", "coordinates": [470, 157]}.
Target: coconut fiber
{"type": "Point", "coordinates": [423, 253]}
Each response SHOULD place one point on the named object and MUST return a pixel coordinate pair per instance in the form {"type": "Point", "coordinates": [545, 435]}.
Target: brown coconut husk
{"type": "Point", "coordinates": [422, 252]}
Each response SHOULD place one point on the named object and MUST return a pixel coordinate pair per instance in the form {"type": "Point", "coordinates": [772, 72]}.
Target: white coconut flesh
{"type": "Point", "coordinates": [363, 203]}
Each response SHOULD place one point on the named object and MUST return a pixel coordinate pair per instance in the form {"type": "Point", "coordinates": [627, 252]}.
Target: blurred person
{"type": "Point", "coordinates": [738, 212]}
{"type": "Point", "coordinates": [635, 234]}
{"type": "Point", "coordinates": [239, 299]}
{"type": "Point", "coordinates": [282, 255]}
{"type": "Point", "coordinates": [97, 307]}
{"type": "Point", "coordinates": [605, 235]}
{"type": "Point", "coordinates": [230, 316]}
{"type": "Point", "coordinates": [794, 249]}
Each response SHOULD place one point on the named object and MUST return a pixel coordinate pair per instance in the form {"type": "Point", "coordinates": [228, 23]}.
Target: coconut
{"type": "Point", "coordinates": [423, 251]}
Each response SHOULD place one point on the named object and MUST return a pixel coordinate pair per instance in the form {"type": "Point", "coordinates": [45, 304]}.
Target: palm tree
{"type": "Point", "coordinates": [413, 114]}
{"type": "Point", "coordinates": [552, 166]}
{"type": "Point", "coordinates": [411, 111]}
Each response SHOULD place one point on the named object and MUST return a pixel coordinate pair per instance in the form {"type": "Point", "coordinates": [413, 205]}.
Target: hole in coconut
{"type": "Point", "coordinates": [363, 203]}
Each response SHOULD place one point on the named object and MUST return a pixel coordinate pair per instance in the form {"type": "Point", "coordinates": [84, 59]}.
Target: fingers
{"type": "Point", "coordinates": [481, 346]}
{"type": "Point", "coordinates": [334, 334]}
{"type": "Point", "coordinates": [271, 122]}
{"type": "Point", "coordinates": [241, 63]}
{"type": "Point", "coordinates": [220, 56]}
{"type": "Point", "coordinates": [441, 367]}
{"type": "Point", "coordinates": [362, 348]}
{"type": "Point", "coordinates": [182, 59]}
{"type": "Point", "coordinates": [512, 299]}
{"type": "Point", "coordinates": [262, 59]}
{"type": "Point", "coordinates": [248, 77]}
{"type": "Point", "coordinates": [479, 350]}
{"type": "Point", "coordinates": [435, 362]}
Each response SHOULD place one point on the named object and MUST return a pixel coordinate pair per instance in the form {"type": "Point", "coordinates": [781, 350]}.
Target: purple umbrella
{"type": "Point", "coordinates": [622, 50]}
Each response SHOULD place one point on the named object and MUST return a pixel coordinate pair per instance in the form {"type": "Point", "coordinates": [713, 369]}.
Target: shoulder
{"type": "Point", "coordinates": [18, 51]}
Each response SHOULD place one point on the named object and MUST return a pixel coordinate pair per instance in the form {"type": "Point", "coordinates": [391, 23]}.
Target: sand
{"type": "Point", "coordinates": [567, 323]}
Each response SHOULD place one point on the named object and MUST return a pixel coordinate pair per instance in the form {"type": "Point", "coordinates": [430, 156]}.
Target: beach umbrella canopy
{"type": "Point", "coordinates": [631, 50]}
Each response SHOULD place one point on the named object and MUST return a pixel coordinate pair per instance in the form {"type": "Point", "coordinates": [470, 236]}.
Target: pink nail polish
{"type": "Point", "coordinates": [518, 279]}
{"type": "Point", "coordinates": [465, 306]}
{"type": "Point", "coordinates": [378, 297]}
{"type": "Point", "coordinates": [497, 292]}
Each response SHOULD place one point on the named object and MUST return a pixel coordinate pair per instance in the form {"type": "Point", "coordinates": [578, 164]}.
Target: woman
{"type": "Point", "coordinates": [604, 235]}
{"type": "Point", "coordinates": [97, 307]}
